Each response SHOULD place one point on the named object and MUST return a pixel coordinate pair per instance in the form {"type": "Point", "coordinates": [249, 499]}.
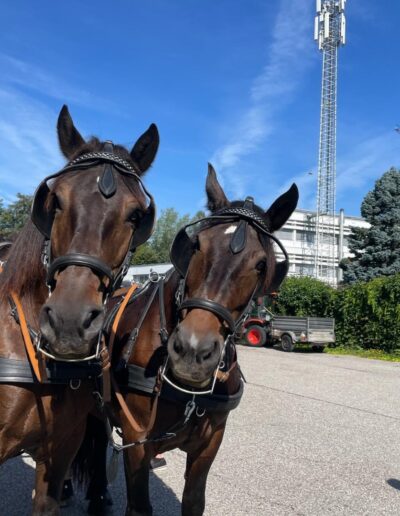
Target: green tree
{"type": "Point", "coordinates": [376, 250]}
{"type": "Point", "coordinates": [145, 254]}
{"type": "Point", "coordinates": [156, 250]}
{"type": "Point", "coordinates": [15, 215]}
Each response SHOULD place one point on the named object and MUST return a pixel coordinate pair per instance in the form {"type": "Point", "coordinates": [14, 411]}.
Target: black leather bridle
{"type": "Point", "coordinates": [43, 218]}
{"type": "Point", "coordinates": [182, 250]}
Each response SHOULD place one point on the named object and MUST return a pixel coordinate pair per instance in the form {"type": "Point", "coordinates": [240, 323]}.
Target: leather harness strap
{"type": "Point", "coordinates": [106, 352]}
{"type": "Point", "coordinates": [108, 372]}
{"type": "Point", "coordinates": [36, 362]}
{"type": "Point", "coordinates": [118, 316]}
{"type": "Point", "coordinates": [128, 414]}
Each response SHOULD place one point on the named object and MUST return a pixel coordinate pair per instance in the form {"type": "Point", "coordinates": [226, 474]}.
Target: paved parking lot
{"type": "Point", "coordinates": [314, 435]}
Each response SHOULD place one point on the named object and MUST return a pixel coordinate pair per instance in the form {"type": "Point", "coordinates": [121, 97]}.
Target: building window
{"type": "Point", "coordinates": [305, 236]}
{"type": "Point", "coordinates": [285, 234]}
{"type": "Point", "coordinates": [304, 269]}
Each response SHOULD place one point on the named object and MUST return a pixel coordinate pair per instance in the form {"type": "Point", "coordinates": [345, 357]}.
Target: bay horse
{"type": "Point", "coordinates": [85, 223]}
{"type": "Point", "coordinates": [176, 376]}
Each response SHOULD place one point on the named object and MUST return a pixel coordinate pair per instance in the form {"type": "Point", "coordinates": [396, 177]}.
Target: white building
{"type": "Point", "coordinates": [297, 236]}
{"type": "Point", "coordinates": [140, 273]}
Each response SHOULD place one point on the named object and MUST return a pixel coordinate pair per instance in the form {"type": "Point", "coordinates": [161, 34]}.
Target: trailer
{"type": "Point", "coordinates": [268, 329]}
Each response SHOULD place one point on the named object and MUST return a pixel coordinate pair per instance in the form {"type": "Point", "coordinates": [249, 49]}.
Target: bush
{"type": "Point", "coordinates": [304, 297]}
{"type": "Point", "coordinates": [367, 314]}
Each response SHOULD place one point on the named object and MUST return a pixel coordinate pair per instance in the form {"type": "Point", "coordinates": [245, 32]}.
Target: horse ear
{"type": "Point", "coordinates": [145, 149]}
{"type": "Point", "coordinates": [216, 198]}
{"type": "Point", "coordinates": [69, 137]}
{"type": "Point", "coordinates": [282, 208]}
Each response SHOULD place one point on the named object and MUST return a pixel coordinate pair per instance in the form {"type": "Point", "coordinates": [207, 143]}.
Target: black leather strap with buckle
{"type": "Point", "coordinates": [80, 260]}
{"type": "Point", "coordinates": [210, 306]}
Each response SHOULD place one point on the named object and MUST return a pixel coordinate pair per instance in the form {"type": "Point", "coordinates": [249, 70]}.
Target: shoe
{"type": "Point", "coordinates": [67, 493]}
{"type": "Point", "coordinates": [158, 463]}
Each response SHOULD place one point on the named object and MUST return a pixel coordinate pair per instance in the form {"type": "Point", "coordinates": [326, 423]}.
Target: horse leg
{"type": "Point", "coordinates": [50, 474]}
{"type": "Point", "coordinates": [97, 493]}
{"type": "Point", "coordinates": [198, 463]}
{"type": "Point", "coordinates": [136, 466]}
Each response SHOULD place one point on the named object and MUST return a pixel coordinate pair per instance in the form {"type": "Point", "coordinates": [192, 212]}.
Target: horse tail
{"type": "Point", "coordinates": [89, 465]}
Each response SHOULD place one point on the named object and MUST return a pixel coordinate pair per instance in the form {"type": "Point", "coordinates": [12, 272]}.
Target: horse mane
{"type": "Point", "coordinates": [23, 272]}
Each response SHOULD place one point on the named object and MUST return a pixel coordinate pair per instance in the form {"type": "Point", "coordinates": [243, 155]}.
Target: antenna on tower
{"type": "Point", "coordinates": [329, 33]}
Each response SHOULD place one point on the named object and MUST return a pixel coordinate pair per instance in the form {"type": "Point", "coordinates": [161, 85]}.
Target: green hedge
{"type": "Point", "coordinates": [367, 315]}
{"type": "Point", "coordinates": [304, 297]}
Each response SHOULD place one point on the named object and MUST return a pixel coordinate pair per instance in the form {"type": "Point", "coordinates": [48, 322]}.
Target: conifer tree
{"type": "Point", "coordinates": [376, 249]}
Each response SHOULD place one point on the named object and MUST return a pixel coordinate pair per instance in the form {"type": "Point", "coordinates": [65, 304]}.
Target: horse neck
{"type": "Point", "coordinates": [148, 341]}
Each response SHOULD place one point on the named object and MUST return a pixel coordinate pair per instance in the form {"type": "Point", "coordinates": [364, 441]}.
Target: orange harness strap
{"type": "Point", "coordinates": [35, 361]}
{"type": "Point", "coordinates": [118, 316]}
{"type": "Point", "coordinates": [118, 394]}
{"type": "Point", "coordinates": [106, 353]}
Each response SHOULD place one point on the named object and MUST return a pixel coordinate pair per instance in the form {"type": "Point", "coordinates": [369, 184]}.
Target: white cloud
{"type": "Point", "coordinates": [30, 77]}
{"type": "Point", "coordinates": [271, 91]}
{"type": "Point", "coordinates": [29, 149]}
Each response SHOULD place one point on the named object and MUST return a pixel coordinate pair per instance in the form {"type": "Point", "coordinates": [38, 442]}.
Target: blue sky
{"type": "Point", "coordinates": [234, 82]}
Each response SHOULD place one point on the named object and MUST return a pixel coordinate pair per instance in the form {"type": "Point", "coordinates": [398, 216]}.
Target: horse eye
{"type": "Point", "coordinates": [261, 265]}
{"type": "Point", "coordinates": [135, 216]}
{"type": "Point", "coordinates": [57, 206]}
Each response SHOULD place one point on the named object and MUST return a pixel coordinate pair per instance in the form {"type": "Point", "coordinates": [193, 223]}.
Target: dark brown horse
{"type": "Point", "coordinates": [87, 220]}
{"type": "Point", "coordinates": [221, 263]}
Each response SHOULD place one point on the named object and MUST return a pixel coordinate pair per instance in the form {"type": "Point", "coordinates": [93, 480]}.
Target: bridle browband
{"type": "Point", "coordinates": [107, 185]}
{"type": "Point", "coordinates": [183, 243]}
{"type": "Point", "coordinates": [43, 220]}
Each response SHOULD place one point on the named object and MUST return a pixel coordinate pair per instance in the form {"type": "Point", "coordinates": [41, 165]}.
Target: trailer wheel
{"type": "Point", "coordinates": [255, 336]}
{"type": "Point", "coordinates": [287, 343]}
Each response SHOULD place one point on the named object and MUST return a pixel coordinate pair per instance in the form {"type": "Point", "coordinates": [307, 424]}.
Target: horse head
{"type": "Point", "coordinates": [225, 260]}
{"type": "Point", "coordinates": [93, 214]}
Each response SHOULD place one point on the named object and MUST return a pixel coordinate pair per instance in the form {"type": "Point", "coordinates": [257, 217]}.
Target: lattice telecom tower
{"type": "Point", "coordinates": [329, 32]}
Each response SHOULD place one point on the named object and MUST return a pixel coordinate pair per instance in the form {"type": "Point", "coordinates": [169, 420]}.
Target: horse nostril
{"type": "Point", "coordinates": [90, 317]}
{"type": "Point", "coordinates": [178, 347]}
{"type": "Point", "coordinates": [51, 317]}
{"type": "Point", "coordinates": [207, 356]}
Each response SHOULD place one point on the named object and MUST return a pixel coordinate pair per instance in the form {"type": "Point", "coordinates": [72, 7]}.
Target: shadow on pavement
{"type": "Point", "coordinates": [163, 499]}
{"type": "Point", "coordinates": [394, 482]}
{"type": "Point", "coordinates": [16, 484]}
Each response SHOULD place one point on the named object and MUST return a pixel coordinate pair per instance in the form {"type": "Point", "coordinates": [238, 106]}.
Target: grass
{"type": "Point", "coordinates": [376, 354]}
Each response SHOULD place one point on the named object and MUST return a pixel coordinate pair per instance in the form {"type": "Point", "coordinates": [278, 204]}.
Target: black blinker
{"type": "Point", "coordinates": [239, 237]}
{"type": "Point", "coordinates": [107, 184]}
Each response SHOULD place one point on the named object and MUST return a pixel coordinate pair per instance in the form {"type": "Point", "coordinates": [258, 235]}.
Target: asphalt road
{"type": "Point", "coordinates": [315, 434]}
